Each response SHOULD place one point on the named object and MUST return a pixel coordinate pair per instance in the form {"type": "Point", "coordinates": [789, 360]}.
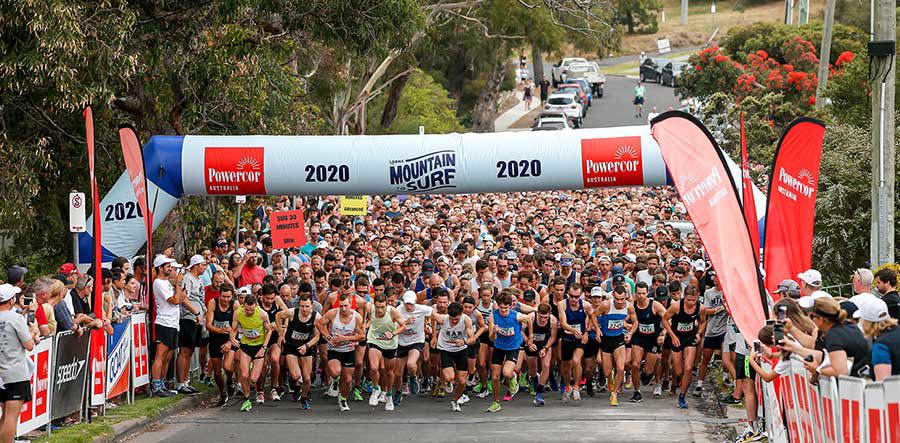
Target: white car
{"type": "Point", "coordinates": [566, 103]}
{"type": "Point", "coordinates": [589, 71]}
{"type": "Point", "coordinates": [551, 121]}
{"type": "Point", "coordinates": [556, 74]}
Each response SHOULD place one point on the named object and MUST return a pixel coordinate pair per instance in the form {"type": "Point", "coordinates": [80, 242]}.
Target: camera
{"type": "Point", "coordinates": [757, 347]}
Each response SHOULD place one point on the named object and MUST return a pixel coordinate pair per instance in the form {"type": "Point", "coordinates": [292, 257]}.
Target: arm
{"type": "Point", "coordinates": [632, 317]}
{"type": "Point", "coordinates": [526, 324]}
{"type": "Point", "coordinates": [562, 320]}
{"type": "Point", "coordinates": [471, 338]}
{"type": "Point", "coordinates": [323, 323]}
{"type": "Point", "coordinates": [359, 333]}
{"type": "Point", "coordinates": [281, 319]}
{"type": "Point", "coordinates": [480, 323]}
{"type": "Point", "coordinates": [269, 327]}
{"type": "Point", "coordinates": [401, 326]}
{"type": "Point", "coordinates": [667, 324]}
{"type": "Point", "coordinates": [765, 375]}
{"type": "Point", "coordinates": [234, 329]}
{"type": "Point", "coordinates": [492, 328]}
{"type": "Point", "coordinates": [838, 365]}
{"type": "Point", "coordinates": [209, 319]}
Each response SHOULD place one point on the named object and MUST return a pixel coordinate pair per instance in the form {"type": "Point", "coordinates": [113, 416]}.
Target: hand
{"type": "Point", "coordinates": [460, 342]}
{"type": "Point", "coordinates": [789, 345]}
{"type": "Point", "coordinates": [261, 352]}
{"type": "Point", "coordinates": [627, 337]}
{"type": "Point", "coordinates": [234, 342]}
{"type": "Point", "coordinates": [584, 339]}
{"type": "Point", "coordinates": [225, 347]}
{"type": "Point", "coordinates": [660, 339]}
{"type": "Point", "coordinates": [810, 366]}
{"type": "Point", "coordinates": [302, 349]}
{"type": "Point", "coordinates": [543, 352]}
{"type": "Point", "coordinates": [388, 335]}
{"type": "Point", "coordinates": [676, 343]}
{"type": "Point", "coordinates": [753, 355]}
{"type": "Point", "coordinates": [531, 346]}
{"type": "Point", "coordinates": [577, 334]}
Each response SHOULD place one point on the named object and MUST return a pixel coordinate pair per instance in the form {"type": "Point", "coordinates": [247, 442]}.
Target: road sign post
{"type": "Point", "coordinates": [77, 220]}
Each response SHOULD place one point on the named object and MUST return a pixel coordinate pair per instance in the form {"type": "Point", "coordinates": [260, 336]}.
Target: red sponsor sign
{"type": "Point", "coordinates": [234, 171]}
{"type": "Point", "coordinates": [614, 161]}
{"type": "Point", "coordinates": [140, 364]}
{"type": "Point", "coordinates": [36, 412]}
{"type": "Point", "coordinates": [288, 229]}
{"type": "Point", "coordinates": [98, 367]}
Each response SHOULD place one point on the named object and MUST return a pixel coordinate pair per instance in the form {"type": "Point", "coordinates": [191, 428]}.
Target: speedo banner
{"type": "Point", "coordinates": [792, 202]}
{"type": "Point", "coordinates": [707, 189]}
{"type": "Point", "coordinates": [373, 165]}
{"type": "Point", "coordinates": [118, 359]}
{"type": "Point", "coordinates": [36, 412]}
{"type": "Point", "coordinates": [71, 371]}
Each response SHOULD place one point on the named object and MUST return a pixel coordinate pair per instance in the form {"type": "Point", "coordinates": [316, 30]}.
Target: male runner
{"type": "Point", "coordinates": [410, 343]}
{"type": "Point", "coordinates": [646, 340]}
{"type": "Point", "coordinates": [485, 307]}
{"type": "Point", "coordinates": [573, 324]}
{"type": "Point", "coordinates": [610, 318]}
{"type": "Point", "coordinates": [272, 304]}
{"type": "Point", "coordinates": [480, 326]}
{"type": "Point", "coordinates": [540, 350]}
{"type": "Point", "coordinates": [253, 324]}
{"type": "Point", "coordinates": [386, 325]}
{"type": "Point", "coordinates": [342, 329]}
{"type": "Point", "coordinates": [592, 347]}
{"type": "Point", "coordinates": [683, 321]}
{"type": "Point", "coordinates": [298, 340]}
{"type": "Point", "coordinates": [506, 327]}
{"type": "Point", "coordinates": [454, 336]}
{"type": "Point", "coordinates": [220, 313]}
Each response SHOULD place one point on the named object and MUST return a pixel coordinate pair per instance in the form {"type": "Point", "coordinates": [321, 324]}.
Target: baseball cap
{"type": "Point", "coordinates": [409, 297]}
{"type": "Point", "coordinates": [68, 269]}
{"type": "Point", "coordinates": [618, 279]}
{"type": "Point", "coordinates": [325, 227]}
{"type": "Point", "coordinates": [16, 273]}
{"type": "Point", "coordinates": [631, 258]}
{"type": "Point", "coordinates": [699, 265]}
{"type": "Point", "coordinates": [596, 291]}
{"type": "Point", "coordinates": [322, 244]}
{"type": "Point", "coordinates": [811, 277]}
{"type": "Point", "coordinates": [221, 244]}
{"type": "Point", "coordinates": [673, 263]}
{"type": "Point", "coordinates": [566, 259]}
{"type": "Point", "coordinates": [529, 295]}
{"type": "Point", "coordinates": [604, 258]}
{"type": "Point", "coordinates": [196, 259]}
{"type": "Point", "coordinates": [617, 270]}
{"type": "Point", "coordinates": [427, 267]}
{"type": "Point", "coordinates": [83, 281]}
{"type": "Point", "coordinates": [461, 247]}
{"type": "Point", "coordinates": [244, 290]}
{"type": "Point", "coordinates": [788, 286]}
{"type": "Point", "coordinates": [872, 310]}
{"type": "Point", "coordinates": [863, 298]}
{"type": "Point", "coordinates": [662, 292]}
{"type": "Point", "coordinates": [849, 307]}
{"type": "Point", "coordinates": [806, 302]}
{"type": "Point", "coordinates": [294, 266]}
{"type": "Point", "coordinates": [397, 260]}
{"type": "Point", "coordinates": [8, 291]}
{"type": "Point", "coordinates": [160, 260]}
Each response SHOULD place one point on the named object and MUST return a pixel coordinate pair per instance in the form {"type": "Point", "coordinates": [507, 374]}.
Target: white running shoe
{"type": "Point", "coordinates": [373, 399]}
{"type": "Point", "coordinates": [463, 399]}
{"type": "Point", "coordinates": [566, 394]}
{"type": "Point", "coordinates": [576, 394]}
{"type": "Point", "coordinates": [260, 398]}
{"type": "Point", "coordinates": [382, 397]}
{"type": "Point", "coordinates": [333, 389]}
{"type": "Point", "coordinates": [275, 395]}
{"type": "Point", "coordinates": [483, 394]}
{"type": "Point", "coordinates": [657, 391]}
{"type": "Point", "coordinates": [455, 406]}
{"type": "Point", "coordinates": [389, 404]}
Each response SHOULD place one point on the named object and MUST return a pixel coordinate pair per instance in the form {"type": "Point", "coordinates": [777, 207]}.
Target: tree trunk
{"type": "Point", "coordinates": [393, 101]}
{"type": "Point", "coordinates": [537, 63]}
{"type": "Point", "coordinates": [486, 106]}
{"type": "Point", "coordinates": [629, 21]}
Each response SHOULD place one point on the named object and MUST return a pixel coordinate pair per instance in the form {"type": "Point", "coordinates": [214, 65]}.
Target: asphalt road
{"type": "Point", "coordinates": [616, 107]}
{"type": "Point", "coordinates": [426, 419]}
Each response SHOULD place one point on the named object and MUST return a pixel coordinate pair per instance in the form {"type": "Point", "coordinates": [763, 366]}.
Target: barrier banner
{"type": "Point", "coordinates": [70, 377]}
{"type": "Point", "coordinates": [36, 413]}
{"type": "Point", "coordinates": [706, 187]}
{"type": "Point", "coordinates": [288, 229]}
{"type": "Point", "coordinates": [851, 393]}
{"type": "Point", "coordinates": [118, 357]}
{"type": "Point", "coordinates": [98, 367]}
{"type": "Point", "coordinates": [799, 381]}
{"type": "Point", "coordinates": [793, 184]}
{"type": "Point", "coordinates": [354, 205]}
{"type": "Point", "coordinates": [140, 352]}
{"type": "Point", "coordinates": [829, 398]}
{"type": "Point", "coordinates": [873, 397]}
{"type": "Point", "coordinates": [892, 407]}
{"type": "Point", "coordinates": [815, 411]}
{"type": "Point", "coordinates": [772, 410]}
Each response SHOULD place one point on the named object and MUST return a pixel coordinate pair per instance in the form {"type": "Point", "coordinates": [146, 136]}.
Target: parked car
{"type": "Point", "coordinates": [651, 69]}
{"type": "Point", "coordinates": [551, 121]}
{"type": "Point", "coordinates": [586, 87]}
{"type": "Point", "coordinates": [579, 92]}
{"type": "Point", "coordinates": [566, 103]}
{"type": "Point", "coordinates": [556, 74]}
{"type": "Point", "coordinates": [589, 71]}
{"type": "Point", "coordinates": [671, 71]}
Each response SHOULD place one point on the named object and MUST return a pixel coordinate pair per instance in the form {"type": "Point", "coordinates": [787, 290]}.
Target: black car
{"type": "Point", "coordinates": [671, 71]}
{"type": "Point", "coordinates": [651, 69]}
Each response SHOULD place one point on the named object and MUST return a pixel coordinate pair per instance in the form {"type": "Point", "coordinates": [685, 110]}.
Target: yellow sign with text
{"type": "Point", "coordinates": [354, 205]}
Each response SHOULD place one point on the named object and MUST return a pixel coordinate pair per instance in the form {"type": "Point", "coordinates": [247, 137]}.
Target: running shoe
{"type": "Point", "coordinates": [539, 399]}
{"type": "Point", "coordinates": [162, 393]}
{"type": "Point", "coordinates": [530, 388]}
{"type": "Point", "coordinates": [729, 399]}
{"type": "Point", "coordinates": [507, 396]}
{"type": "Point", "coordinates": [566, 395]}
{"type": "Point", "coordinates": [404, 389]}
{"type": "Point", "coordinates": [296, 395]}
{"type": "Point", "coordinates": [576, 394]}
{"type": "Point", "coordinates": [628, 384]}
{"type": "Point", "coordinates": [613, 399]}
{"type": "Point", "coordinates": [553, 385]}
{"type": "Point", "coordinates": [373, 399]}
{"type": "Point", "coordinates": [304, 403]}
{"type": "Point", "coordinates": [357, 396]}
{"type": "Point", "coordinates": [523, 379]}
{"type": "Point", "coordinates": [342, 402]}
{"type": "Point", "coordinates": [698, 391]}
{"type": "Point", "coordinates": [247, 405]}
{"type": "Point", "coordinates": [490, 388]}
{"type": "Point", "coordinates": [513, 386]}
{"type": "Point", "coordinates": [367, 386]}
{"type": "Point", "coordinates": [260, 397]}
{"type": "Point", "coordinates": [665, 385]}
{"type": "Point", "coordinates": [223, 399]}
{"type": "Point", "coordinates": [495, 407]}
{"type": "Point", "coordinates": [637, 397]}
{"type": "Point", "coordinates": [186, 390]}
{"type": "Point", "coordinates": [275, 395]}
{"type": "Point", "coordinates": [601, 388]}
{"type": "Point", "coordinates": [483, 394]}
{"type": "Point", "coordinates": [463, 399]}
{"type": "Point", "coordinates": [646, 379]}
{"type": "Point", "coordinates": [682, 403]}
{"type": "Point", "coordinates": [478, 387]}
{"type": "Point", "coordinates": [455, 406]}
{"type": "Point", "coordinates": [398, 398]}
{"type": "Point", "coordinates": [413, 386]}
{"type": "Point", "coordinates": [657, 391]}
{"type": "Point", "coordinates": [448, 388]}
{"type": "Point", "coordinates": [333, 389]}
{"type": "Point", "coordinates": [389, 404]}
{"type": "Point", "coordinates": [589, 387]}
{"type": "Point", "coordinates": [383, 397]}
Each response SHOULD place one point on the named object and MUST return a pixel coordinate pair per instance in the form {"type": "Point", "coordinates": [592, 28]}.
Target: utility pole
{"type": "Point", "coordinates": [684, 12]}
{"type": "Point", "coordinates": [825, 53]}
{"type": "Point", "coordinates": [883, 68]}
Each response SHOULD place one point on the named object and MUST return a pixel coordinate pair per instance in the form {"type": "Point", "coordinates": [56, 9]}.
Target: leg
{"type": "Point", "coordinates": [360, 365]}
{"type": "Point", "coordinates": [637, 353]}
{"type": "Point", "coordinates": [460, 386]}
{"type": "Point", "coordinates": [306, 369]}
{"type": "Point", "coordinates": [375, 366]}
{"type": "Point", "coordinates": [387, 374]}
{"type": "Point", "coordinates": [346, 381]}
{"type": "Point", "coordinates": [183, 364]}
{"type": "Point", "coordinates": [619, 357]}
{"type": "Point", "coordinates": [689, 354]}
{"type": "Point", "coordinates": [577, 357]}
{"type": "Point", "coordinates": [495, 380]}
{"type": "Point", "coordinates": [157, 370]}
{"type": "Point", "coordinates": [8, 422]}
{"type": "Point", "coordinates": [275, 365]}
{"type": "Point", "coordinates": [244, 374]}
{"type": "Point", "coordinates": [215, 367]}
{"type": "Point", "coordinates": [293, 367]}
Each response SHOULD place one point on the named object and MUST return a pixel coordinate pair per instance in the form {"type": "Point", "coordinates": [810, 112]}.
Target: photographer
{"type": "Point", "coordinates": [15, 375]}
{"type": "Point", "coordinates": [841, 342]}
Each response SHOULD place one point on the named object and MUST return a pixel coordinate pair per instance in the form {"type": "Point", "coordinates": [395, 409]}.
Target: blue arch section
{"type": "Point", "coordinates": [162, 163]}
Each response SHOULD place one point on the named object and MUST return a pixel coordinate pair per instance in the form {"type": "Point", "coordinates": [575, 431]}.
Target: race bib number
{"type": "Point", "coordinates": [409, 332]}
{"type": "Point", "coordinates": [506, 332]}
{"type": "Point", "coordinates": [222, 324]}
{"type": "Point", "coordinates": [684, 327]}
{"type": "Point", "coordinates": [299, 336]}
{"type": "Point", "coordinates": [646, 329]}
{"type": "Point", "coordinates": [615, 325]}
{"type": "Point", "coordinates": [251, 333]}
{"type": "Point", "coordinates": [540, 337]}
{"type": "Point", "coordinates": [576, 327]}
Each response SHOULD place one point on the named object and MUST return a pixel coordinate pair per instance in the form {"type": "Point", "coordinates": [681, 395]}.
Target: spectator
{"type": "Point", "coordinates": [15, 340]}
{"type": "Point", "coordinates": [841, 342]}
{"type": "Point", "coordinates": [879, 327]}
{"type": "Point", "coordinates": [57, 292]}
{"type": "Point", "coordinates": [41, 288]}
{"type": "Point", "coordinates": [15, 275]}
{"type": "Point", "coordinates": [798, 324]}
{"type": "Point", "coordinates": [886, 283]}
{"type": "Point", "coordinates": [544, 86]}
{"type": "Point", "coordinates": [788, 288]}
{"type": "Point", "coordinates": [190, 324]}
{"type": "Point", "coordinates": [810, 281]}
{"type": "Point", "coordinates": [169, 295]}
{"type": "Point", "coordinates": [862, 281]}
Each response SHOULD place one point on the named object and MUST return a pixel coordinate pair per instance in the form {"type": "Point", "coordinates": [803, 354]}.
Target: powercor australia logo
{"type": "Point", "coordinates": [612, 161]}
{"type": "Point", "coordinates": [436, 170]}
{"type": "Point", "coordinates": [694, 189]}
{"type": "Point", "coordinates": [234, 171]}
{"type": "Point", "coordinates": [790, 186]}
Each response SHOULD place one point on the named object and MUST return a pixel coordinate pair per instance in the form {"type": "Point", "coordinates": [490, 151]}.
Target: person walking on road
{"type": "Point", "coordinates": [639, 92]}
{"type": "Point", "coordinates": [545, 90]}
{"type": "Point", "coordinates": [528, 94]}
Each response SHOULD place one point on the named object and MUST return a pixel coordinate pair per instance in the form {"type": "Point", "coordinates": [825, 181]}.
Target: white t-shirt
{"type": "Point", "coordinates": [166, 313]}
{"type": "Point", "coordinates": [414, 332]}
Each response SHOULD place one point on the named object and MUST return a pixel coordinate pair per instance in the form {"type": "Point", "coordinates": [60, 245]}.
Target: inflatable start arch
{"type": "Point", "coordinates": [375, 165]}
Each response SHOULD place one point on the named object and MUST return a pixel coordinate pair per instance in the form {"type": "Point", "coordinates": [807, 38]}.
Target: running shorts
{"type": "Point", "coordinates": [568, 348]}
{"type": "Point", "coordinates": [188, 334]}
{"type": "Point", "coordinates": [293, 349]}
{"type": "Point", "coordinates": [498, 356]}
{"type": "Point", "coordinates": [215, 345]}
{"type": "Point", "coordinates": [647, 342]}
{"type": "Point", "coordinates": [538, 345]}
{"type": "Point", "coordinates": [458, 360]}
{"type": "Point", "coordinates": [385, 353]}
{"type": "Point", "coordinates": [742, 368]}
{"type": "Point", "coordinates": [167, 336]}
{"type": "Point", "coordinates": [612, 342]}
{"type": "Point", "coordinates": [591, 348]}
{"type": "Point", "coordinates": [18, 391]}
{"type": "Point", "coordinates": [251, 350]}
{"type": "Point", "coordinates": [403, 350]}
{"type": "Point", "coordinates": [714, 342]}
{"type": "Point", "coordinates": [347, 359]}
{"type": "Point", "coordinates": [687, 341]}
{"type": "Point", "coordinates": [472, 350]}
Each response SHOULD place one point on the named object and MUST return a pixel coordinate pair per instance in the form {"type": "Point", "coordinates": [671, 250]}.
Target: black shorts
{"type": "Point", "coordinates": [538, 345]}
{"type": "Point", "coordinates": [347, 359]}
{"type": "Point", "coordinates": [472, 350]}
{"type": "Point", "coordinates": [385, 353]}
{"type": "Point", "coordinates": [591, 348]}
{"type": "Point", "coordinates": [251, 350]}
{"type": "Point", "coordinates": [215, 345]}
{"type": "Point", "coordinates": [204, 341]}
{"type": "Point", "coordinates": [20, 390]}
{"type": "Point", "coordinates": [742, 370]}
{"type": "Point", "coordinates": [188, 334]}
{"type": "Point", "coordinates": [568, 348]}
{"type": "Point", "coordinates": [639, 100]}
{"type": "Point", "coordinates": [647, 342]}
{"type": "Point", "coordinates": [610, 343]}
{"type": "Point", "coordinates": [458, 360]}
{"type": "Point", "coordinates": [689, 341]}
{"type": "Point", "coordinates": [403, 350]}
{"type": "Point", "coordinates": [294, 349]}
{"type": "Point", "coordinates": [713, 342]}
{"type": "Point", "coordinates": [167, 336]}
{"type": "Point", "coordinates": [498, 356]}
{"type": "Point", "coordinates": [486, 339]}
